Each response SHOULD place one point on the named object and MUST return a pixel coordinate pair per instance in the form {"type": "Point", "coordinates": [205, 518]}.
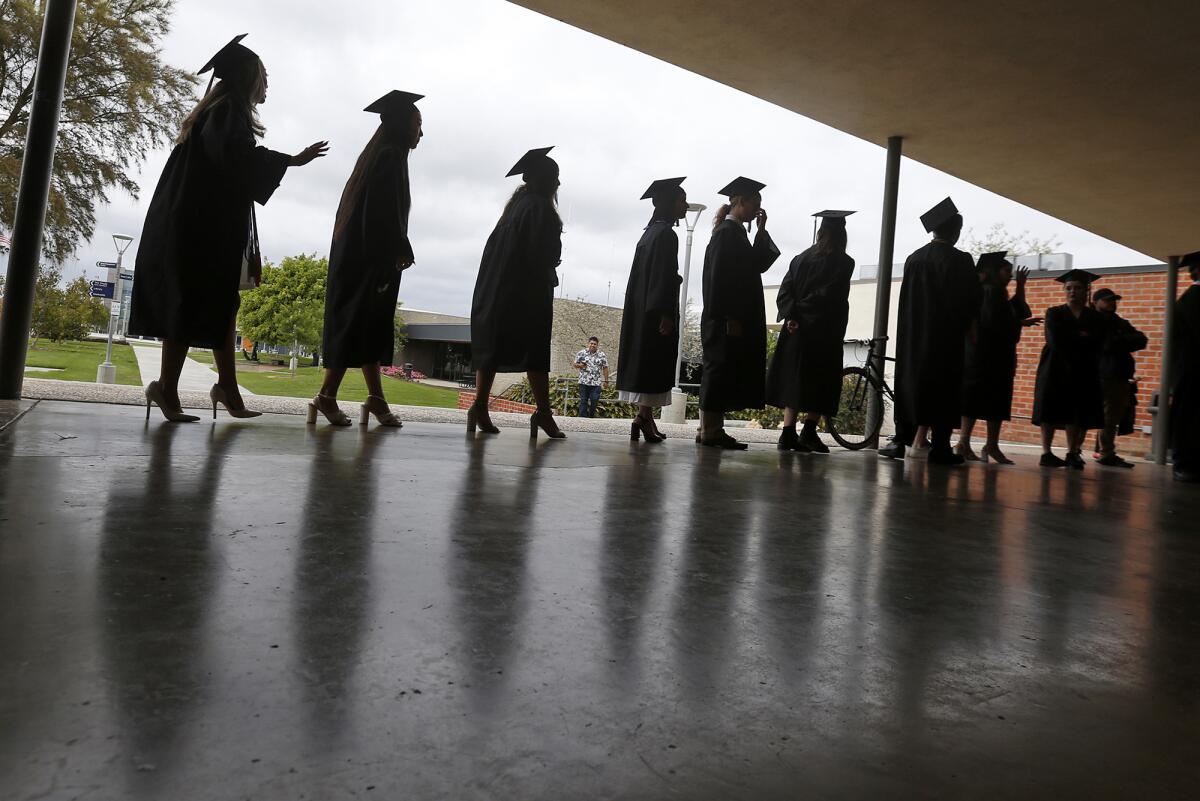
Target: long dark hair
{"type": "Point", "coordinates": [538, 181]}
{"type": "Point", "coordinates": [391, 133]}
{"type": "Point", "coordinates": [241, 91]}
{"type": "Point", "coordinates": [831, 240]}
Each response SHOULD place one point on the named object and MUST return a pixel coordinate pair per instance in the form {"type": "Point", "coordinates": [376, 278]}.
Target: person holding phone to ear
{"type": "Point", "coordinates": [733, 325]}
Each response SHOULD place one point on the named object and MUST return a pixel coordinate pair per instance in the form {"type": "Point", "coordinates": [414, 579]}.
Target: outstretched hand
{"type": "Point", "coordinates": [314, 151]}
{"type": "Point", "coordinates": [1022, 275]}
{"type": "Point", "coordinates": [1030, 322]}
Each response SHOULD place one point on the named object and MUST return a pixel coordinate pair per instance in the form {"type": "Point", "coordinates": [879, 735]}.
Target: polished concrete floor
{"type": "Point", "coordinates": [264, 610]}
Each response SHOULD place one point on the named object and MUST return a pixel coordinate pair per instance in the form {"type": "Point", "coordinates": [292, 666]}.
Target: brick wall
{"type": "Point", "coordinates": [1141, 304]}
{"type": "Point", "coordinates": [465, 399]}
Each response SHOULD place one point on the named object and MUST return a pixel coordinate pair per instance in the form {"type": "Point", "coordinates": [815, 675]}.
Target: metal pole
{"type": "Point", "coordinates": [1161, 433]}
{"type": "Point", "coordinates": [30, 217]}
{"type": "Point", "coordinates": [683, 290]}
{"type": "Point", "coordinates": [883, 289]}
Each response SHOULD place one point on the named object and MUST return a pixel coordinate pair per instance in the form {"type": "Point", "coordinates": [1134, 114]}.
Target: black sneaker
{"type": "Point", "coordinates": [1075, 461]}
{"type": "Point", "coordinates": [893, 450]}
{"type": "Point", "coordinates": [723, 441]}
{"type": "Point", "coordinates": [1050, 460]}
{"type": "Point", "coordinates": [1112, 460]}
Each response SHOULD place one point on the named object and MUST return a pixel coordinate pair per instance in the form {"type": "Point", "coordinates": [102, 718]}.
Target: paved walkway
{"type": "Point", "coordinates": [275, 611]}
{"type": "Point", "coordinates": [196, 377]}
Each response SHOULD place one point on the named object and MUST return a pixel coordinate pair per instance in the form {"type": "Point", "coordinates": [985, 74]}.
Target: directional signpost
{"type": "Point", "coordinates": [103, 289]}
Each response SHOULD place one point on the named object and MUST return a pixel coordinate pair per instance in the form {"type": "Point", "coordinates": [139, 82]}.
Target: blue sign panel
{"type": "Point", "coordinates": [103, 289]}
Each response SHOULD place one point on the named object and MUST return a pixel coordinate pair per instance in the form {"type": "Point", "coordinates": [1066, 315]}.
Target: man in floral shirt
{"type": "Point", "coordinates": [592, 365]}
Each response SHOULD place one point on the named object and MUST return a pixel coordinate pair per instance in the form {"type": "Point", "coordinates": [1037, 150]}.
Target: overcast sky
{"type": "Point", "coordinates": [499, 80]}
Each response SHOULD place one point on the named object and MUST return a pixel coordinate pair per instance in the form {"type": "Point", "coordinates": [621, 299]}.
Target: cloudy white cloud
{"type": "Point", "coordinates": [499, 80]}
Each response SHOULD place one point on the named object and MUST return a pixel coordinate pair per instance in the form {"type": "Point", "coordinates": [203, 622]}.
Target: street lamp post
{"type": "Point", "coordinates": [106, 373]}
{"type": "Point", "coordinates": [677, 411]}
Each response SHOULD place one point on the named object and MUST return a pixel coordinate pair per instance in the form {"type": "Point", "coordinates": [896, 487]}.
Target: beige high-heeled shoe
{"type": "Point", "coordinates": [966, 452]}
{"type": "Point", "coordinates": [154, 395]}
{"type": "Point", "coordinates": [994, 454]}
{"type": "Point", "coordinates": [335, 416]}
{"type": "Point", "coordinates": [378, 406]}
{"type": "Point", "coordinates": [217, 395]}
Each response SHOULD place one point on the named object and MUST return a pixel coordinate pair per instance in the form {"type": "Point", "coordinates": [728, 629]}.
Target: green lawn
{"type": "Point", "coordinates": [202, 356]}
{"type": "Point", "coordinates": [307, 383]}
{"type": "Point", "coordinates": [79, 361]}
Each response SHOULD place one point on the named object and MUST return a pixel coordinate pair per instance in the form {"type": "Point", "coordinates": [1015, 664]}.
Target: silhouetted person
{"type": "Point", "coordinates": [939, 301]}
{"type": "Point", "coordinates": [512, 311]}
{"type": "Point", "coordinates": [1117, 368]}
{"type": "Point", "coordinates": [200, 228]}
{"type": "Point", "coordinates": [650, 322]}
{"type": "Point", "coordinates": [1185, 390]}
{"type": "Point", "coordinates": [991, 360]}
{"type": "Point", "coordinates": [369, 254]}
{"type": "Point", "coordinates": [1068, 393]}
{"type": "Point", "coordinates": [733, 325]}
{"type": "Point", "coordinates": [814, 306]}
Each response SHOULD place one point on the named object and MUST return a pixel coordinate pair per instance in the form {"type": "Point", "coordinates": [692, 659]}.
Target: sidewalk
{"type": "Point", "coordinates": [196, 377]}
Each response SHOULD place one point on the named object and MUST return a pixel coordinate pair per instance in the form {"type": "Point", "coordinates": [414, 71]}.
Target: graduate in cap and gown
{"type": "Point", "coordinates": [733, 325]}
{"type": "Point", "coordinates": [813, 303]}
{"type": "Point", "coordinates": [512, 310]}
{"type": "Point", "coordinates": [1185, 385]}
{"type": "Point", "coordinates": [369, 254]}
{"type": "Point", "coordinates": [650, 322]}
{"type": "Point", "coordinates": [200, 229]}
{"type": "Point", "coordinates": [991, 360]}
{"type": "Point", "coordinates": [939, 303]}
{"type": "Point", "coordinates": [1068, 393]}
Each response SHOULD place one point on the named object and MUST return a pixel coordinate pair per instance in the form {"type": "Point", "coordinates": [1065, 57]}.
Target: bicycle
{"type": "Point", "coordinates": [849, 428]}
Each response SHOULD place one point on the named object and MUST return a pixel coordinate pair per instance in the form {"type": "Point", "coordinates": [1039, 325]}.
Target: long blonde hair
{"type": "Point", "coordinates": [242, 90]}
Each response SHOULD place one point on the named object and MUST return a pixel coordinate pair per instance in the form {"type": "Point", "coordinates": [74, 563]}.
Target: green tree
{"type": "Point", "coordinates": [120, 102]}
{"type": "Point", "coordinates": [998, 237]}
{"type": "Point", "coordinates": [69, 312]}
{"type": "Point", "coordinates": [289, 306]}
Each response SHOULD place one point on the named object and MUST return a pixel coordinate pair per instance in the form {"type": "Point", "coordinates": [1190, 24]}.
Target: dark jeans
{"type": "Point", "coordinates": [1116, 403]}
{"type": "Point", "coordinates": [588, 398]}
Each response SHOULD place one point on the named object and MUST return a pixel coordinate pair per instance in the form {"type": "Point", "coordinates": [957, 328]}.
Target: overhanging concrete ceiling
{"type": "Point", "coordinates": [1086, 111]}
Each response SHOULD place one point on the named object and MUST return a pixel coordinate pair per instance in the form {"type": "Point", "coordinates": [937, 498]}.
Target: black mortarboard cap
{"type": "Point", "coordinates": [938, 214]}
{"type": "Point", "coordinates": [991, 261]}
{"type": "Point", "coordinates": [834, 217]}
{"type": "Point", "coordinates": [1190, 259]}
{"type": "Point", "coordinates": [662, 186]}
{"type": "Point", "coordinates": [530, 160]}
{"type": "Point", "coordinates": [742, 186]}
{"type": "Point", "coordinates": [393, 102]}
{"type": "Point", "coordinates": [1077, 275]}
{"type": "Point", "coordinates": [229, 57]}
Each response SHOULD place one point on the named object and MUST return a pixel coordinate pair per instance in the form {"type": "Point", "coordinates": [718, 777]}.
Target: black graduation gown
{"type": "Point", "coordinates": [939, 297]}
{"type": "Point", "coordinates": [189, 261]}
{"type": "Point", "coordinates": [806, 369]}
{"type": "Point", "coordinates": [991, 361]}
{"type": "Point", "coordinates": [1185, 397]}
{"type": "Point", "coordinates": [735, 367]}
{"type": "Point", "coordinates": [364, 272]}
{"type": "Point", "coordinates": [647, 357]}
{"type": "Point", "coordinates": [512, 310]}
{"type": "Point", "coordinates": [1068, 389]}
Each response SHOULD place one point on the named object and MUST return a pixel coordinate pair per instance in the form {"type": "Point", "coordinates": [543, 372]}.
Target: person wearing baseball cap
{"type": "Point", "coordinates": [1117, 368]}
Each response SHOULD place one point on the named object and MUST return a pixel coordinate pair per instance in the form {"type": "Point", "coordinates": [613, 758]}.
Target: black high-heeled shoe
{"type": "Point", "coordinates": [473, 422]}
{"type": "Point", "coordinates": [645, 428]}
{"type": "Point", "coordinates": [547, 424]}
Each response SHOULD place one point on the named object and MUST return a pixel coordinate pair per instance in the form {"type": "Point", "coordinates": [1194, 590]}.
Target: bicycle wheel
{"type": "Point", "coordinates": [849, 428]}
